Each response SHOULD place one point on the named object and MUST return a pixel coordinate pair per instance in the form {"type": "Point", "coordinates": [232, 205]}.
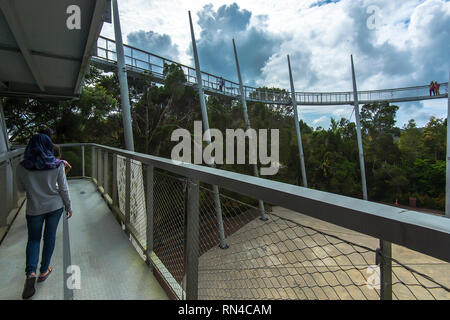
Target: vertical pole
{"type": "Point", "coordinates": [93, 162]}
{"type": "Point", "coordinates": [247, 123]}
{"type": "Point", "coordinates": [192, 241]}
{"type": "Point", "coordinates": [297, 127]}
{"type": "Point", "coordinates": [100, 168]}
{"type": "Point", "coordinates": [105, 172]}
{"type": "Point", "coordinates": [122, 75]}
{"type": "Point", "coordinates": [385, 270]}
{"type": "Point", "coordinates": [127, 190]}
{"type": "Point", "coordinates": [15, 192]}
{"type": "Point", "coordinates": [114, 182]}
{"type": "Point", "coordinates": [447, 182]}
{"type": "Point", "coordinates": [4, 143]}
{"type": "Point", "coordinates": [358, 134]}
{"type": "Point", "coordinates": [83, 169]}
{"type": "Point", "coordinates": [6, 173]}
{"type": "Point", "coordinates": [385, 246]}
{"type": "Point", "coordinates": [217, 205]}
{"type": "Point", "coordinates": [150, 185]}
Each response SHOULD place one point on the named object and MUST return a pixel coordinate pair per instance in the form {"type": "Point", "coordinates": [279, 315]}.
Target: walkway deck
{"type": "Point", "coordinates": [110, 266]}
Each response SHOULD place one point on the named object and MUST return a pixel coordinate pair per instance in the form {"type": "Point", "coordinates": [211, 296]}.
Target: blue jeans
{"type": "Point", "coordinates": [35, 224]}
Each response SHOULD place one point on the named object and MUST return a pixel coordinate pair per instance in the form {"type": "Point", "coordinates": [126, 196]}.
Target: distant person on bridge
{"type": "Point", "coordinates": [42, 177]}
{"type": "Point", "coordinates": [437, 86]}
{"type": "Point", "coordinates": [220, 82]}
{"type": "Point", "coordinates": [432, 88]}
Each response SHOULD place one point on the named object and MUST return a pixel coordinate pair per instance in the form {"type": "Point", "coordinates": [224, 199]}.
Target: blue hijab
{"type": "Point", "coordinates": [39, 154]}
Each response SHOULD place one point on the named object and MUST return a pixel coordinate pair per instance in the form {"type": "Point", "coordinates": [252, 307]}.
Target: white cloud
{"type": "Point", "coordinates": [409, 47]}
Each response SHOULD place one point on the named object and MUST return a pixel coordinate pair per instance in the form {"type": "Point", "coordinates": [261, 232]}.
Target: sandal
{"type": "Point", "coordinates": [29, 290]}
{"type": "Point", "coordinates": [42, 278]}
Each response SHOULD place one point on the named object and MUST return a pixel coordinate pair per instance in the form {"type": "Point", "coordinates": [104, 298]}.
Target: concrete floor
{"type": "Point", "coordinates": [110, 266]}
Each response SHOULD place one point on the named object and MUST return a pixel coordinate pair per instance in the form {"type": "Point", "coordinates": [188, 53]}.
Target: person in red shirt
{"type": "Point", "coordinates": [436, 89]}
{"type": "Point", "coordinates": [431, 88]}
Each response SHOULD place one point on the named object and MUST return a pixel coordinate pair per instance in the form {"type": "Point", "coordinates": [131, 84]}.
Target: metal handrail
{"type": "Point", "coordinates": [421, 232]}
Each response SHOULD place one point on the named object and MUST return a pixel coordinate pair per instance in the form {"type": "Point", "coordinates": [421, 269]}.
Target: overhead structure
{"type": "Point", "coordinates": [217, 204]}
{"type": "Point", "coordinates": [247, 123]}
{"type": "Point", "coordinates": [48, 45]}
{"type": "Point", "coordinates": [297, 127]}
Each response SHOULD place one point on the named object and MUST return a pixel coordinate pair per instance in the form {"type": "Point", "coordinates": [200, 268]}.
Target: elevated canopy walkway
{"type": "Point", "coordinates": [108, 264]}
{"type": "Point", "coordinates": [140, 62]}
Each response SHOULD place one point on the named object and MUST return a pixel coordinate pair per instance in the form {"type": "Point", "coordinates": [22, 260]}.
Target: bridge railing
{"type": "Point", "coordinates": [393, 95]}
{"type": "Point", "coordinates": [330, 250]}
{"type": "Point", "coordinates": [9, 195]}
{"type": "Point", "coordinates": [142, 61]}
{"type": "Point", "coordinates": [153, 64]}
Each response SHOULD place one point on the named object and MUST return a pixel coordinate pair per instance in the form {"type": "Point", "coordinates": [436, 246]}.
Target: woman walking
{"type": "Point", "coordinates": [42, 177]}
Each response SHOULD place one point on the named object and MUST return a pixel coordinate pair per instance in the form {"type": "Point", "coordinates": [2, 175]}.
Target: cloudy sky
{"type": "Point", "coordinates": [394, 44]}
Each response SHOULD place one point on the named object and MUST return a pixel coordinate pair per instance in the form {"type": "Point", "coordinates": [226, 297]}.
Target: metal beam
{"type": "Point", "coordinates": [217, 205]}
{"type": "Point", "coordinates": [10, 13]}
{"type": "Point", "coordinates": [94, 32]}
{"type": "Point", "coordinates": [122, 75]}
{"type": "Point", "coordinates": [358, 134]}
{"type": "Point", "coordinates": [247, 123]}
{"type": "Point", "coordinates": [297, 127]}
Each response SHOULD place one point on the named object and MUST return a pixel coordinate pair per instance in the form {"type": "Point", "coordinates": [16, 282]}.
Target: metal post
{"type": "Point", "coordinates": [5, 192]}
{"type": "Point", "coordinates": [358, 134]}
{"type": "Point", "coordinates": [6, 173]}
{"type": "Point", "coordinates": [122, 75]}
{"type": "Point", "coordinates": [114, 182]}
{"type": "Point", "coordinates": [105, 172]}
{"type": "Point", "coordinates": [297, 127]}
{"type": "Point", "coordinates": [127, 190]}
{"type": "Point", "coordinates": [385, 261]}
{"type": "Point", "coordinates": [15, 191]}
{"type": "Point", "coordinates": [385, 247]}
{"type": "Point", "coordinates": [192, 240]}
{"type": "Point", "coordinates": [149, 199]}
{"type": "Point", "coordinates": [100, 168]}
{"type": "Point", "coordinates": [247, 123]}
{"type": "Point", "coordinates": [93, 163]}
{"type": "Point", "coordinates": [447, 184]}
{"type": "Point", "coordinates": [83, 169]}
{"type": "Point", "coordinates": [218, 207]}
{"type": "Point", "coordinates": [4, 131]}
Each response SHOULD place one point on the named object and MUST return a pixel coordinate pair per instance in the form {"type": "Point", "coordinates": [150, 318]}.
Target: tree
{"type": "Point", "coordinates": [434, 139]}
{"type": "Point", "coordinates": [408, 144]}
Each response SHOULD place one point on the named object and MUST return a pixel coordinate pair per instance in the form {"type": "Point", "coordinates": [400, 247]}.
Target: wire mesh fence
{"type": "Point", "coordinates": [169, 225]}
{"type": "Point", "coordinates": [277, 259]}
{"type": "Point", "coordinates": [289, 256]}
